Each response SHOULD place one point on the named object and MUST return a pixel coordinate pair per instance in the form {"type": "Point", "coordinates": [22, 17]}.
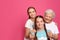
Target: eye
{"type": "Point", "coordinates": [33, 11]}
{"type": "Point", "coordinates": [46, 16]}
{"type": "Point", "coordinates": [50, 17]}
{"type": "Point", "coordinates": [42, 21]}
{"type": "Point", "coordinates": [29, 12]}
{"type": "Point", "coordinates": [37, 22]}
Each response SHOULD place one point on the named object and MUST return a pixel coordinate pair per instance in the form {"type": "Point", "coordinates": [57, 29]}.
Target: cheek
{"type": "Point", "coordinates": [42, 23]}
{"type": "Point", "coordinates": [37, 24]}
{"type": "Point", "coordinates": [50, 18]}
{"type": "Point", "coordinates": [46, 17]}
{"type": "Point", "coordinates": [31, 15]}
{"type": "Point", "coordinates": [34, 14]}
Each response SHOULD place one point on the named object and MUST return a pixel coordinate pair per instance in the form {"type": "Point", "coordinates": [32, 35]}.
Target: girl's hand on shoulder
{"type": "Point", "coordinates": [32, 36]}
{"type": "Point", "coordinates": [34, 30]}
{"type": "Point", "coordinates": [50, 34]}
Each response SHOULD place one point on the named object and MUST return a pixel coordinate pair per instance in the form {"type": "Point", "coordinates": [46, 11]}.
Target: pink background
{"type": "Point", "coordinates": [13, 16]}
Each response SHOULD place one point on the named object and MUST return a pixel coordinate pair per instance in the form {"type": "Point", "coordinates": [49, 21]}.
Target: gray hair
{"type": "Point", "coordinates": [50, 11]}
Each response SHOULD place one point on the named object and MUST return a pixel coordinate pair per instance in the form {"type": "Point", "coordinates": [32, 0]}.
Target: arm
{"type": "Point", "coordinates": [32, 37]}
{"type": "Point", "coordinates": [32, 34]}
{"type": "Point", "coordinates": [27, 28]}
{"type": "Point", "coordinates": [55, 36]}
{"type": "Point", "coordinates": [27, 32]}
{"type": "Point", "coordinates": [56, 31]}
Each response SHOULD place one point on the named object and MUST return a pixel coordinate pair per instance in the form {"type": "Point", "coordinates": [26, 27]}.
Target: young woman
{"type": "Point", "coordinates": [30, 22]}
{"type": "Point", "coordinates": [41, 32]}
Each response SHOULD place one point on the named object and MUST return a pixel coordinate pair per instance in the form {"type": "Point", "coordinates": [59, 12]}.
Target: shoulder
{"type": "Point", "coordinates": [29, 20]}
{"type": "Point", "coordinates": [55, 28]}
{"type": "Point", "coordinates": [54, 23]}
{"type": "Point", "coordinates": [28, 23]}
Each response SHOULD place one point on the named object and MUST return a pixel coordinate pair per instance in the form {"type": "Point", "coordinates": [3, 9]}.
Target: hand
{"type": "Point", "coordinates": [33, 30]}
{"type": "Point", "coordinates": [32, 36]}
{"type": "Point", "coordinates": [50, 34]}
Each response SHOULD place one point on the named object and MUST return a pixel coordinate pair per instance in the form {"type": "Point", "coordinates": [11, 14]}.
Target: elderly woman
{"type": "Point", "coordinates": [50, 24]}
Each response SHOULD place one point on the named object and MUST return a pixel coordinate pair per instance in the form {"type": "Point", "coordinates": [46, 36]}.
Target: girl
{"type": "Point", "coordinates": [41, 32]}
{"type": "Point", "coordinates": [30, 22]}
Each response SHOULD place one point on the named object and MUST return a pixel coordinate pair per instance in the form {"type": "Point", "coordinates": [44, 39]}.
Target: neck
{"type": "Point", "coordinates": [41, 28]}
{"type": "Point", "coordinates": [33, 19]}
{"type": "Point", "coordinates": [49, 22]}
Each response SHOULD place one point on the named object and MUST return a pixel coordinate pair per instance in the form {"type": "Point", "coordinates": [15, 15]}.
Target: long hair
{"type": "Point", "coordinates": [44, 27]}
{"type": "Point", "coordinates": [29, 9]}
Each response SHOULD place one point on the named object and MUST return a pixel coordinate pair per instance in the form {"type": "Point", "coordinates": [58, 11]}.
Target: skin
{"type": "Point", "coordinates": [40, 23]}
{"type": "Point", "coordinates": [48, 19]}
{"type": "Point", "coordinates": [32, 14]}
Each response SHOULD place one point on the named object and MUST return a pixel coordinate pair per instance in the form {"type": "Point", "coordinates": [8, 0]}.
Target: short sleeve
{"type": "Point", "coordinates": [27, 25]}
{"type": "Point", "coordinates": [56, 31]}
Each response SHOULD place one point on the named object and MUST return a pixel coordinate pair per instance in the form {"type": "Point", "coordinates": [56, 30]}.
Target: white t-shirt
{"type": "Point", "coordinates": [52, 27]}
{"type": "Point", "coordinates": [29, 24]}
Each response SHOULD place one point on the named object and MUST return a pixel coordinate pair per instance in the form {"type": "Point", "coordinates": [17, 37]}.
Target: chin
{"type": "Point", "coordinates": [47, 21]}
{"type": "Point", "coordinates": [33, 17]}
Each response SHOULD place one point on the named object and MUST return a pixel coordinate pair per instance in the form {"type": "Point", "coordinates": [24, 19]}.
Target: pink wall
{"type": "Point", "coordinates": [13, 16]}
